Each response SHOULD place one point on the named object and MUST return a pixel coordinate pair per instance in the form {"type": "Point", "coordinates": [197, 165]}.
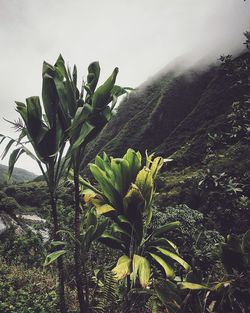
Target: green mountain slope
{"type": "Point", "coordinates": [190, 118]}
{"type": "Point", "coordinates": [19, 175]}
{"type": "Point", "coordinates": [165, 113]}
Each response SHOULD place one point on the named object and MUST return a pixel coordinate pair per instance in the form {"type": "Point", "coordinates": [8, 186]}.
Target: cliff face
{"type": "Point", "coordinates": [166, 113]}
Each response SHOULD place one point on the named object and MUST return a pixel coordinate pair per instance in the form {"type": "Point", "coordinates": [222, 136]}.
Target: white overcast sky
{"type": "Point", "coordinates": [139, 36]}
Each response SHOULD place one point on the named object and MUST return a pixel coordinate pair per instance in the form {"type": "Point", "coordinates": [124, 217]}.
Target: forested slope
{"type": "Point", "coordinates": [199, 119]}
{"type": "Point", "coordinates": [19, 175]}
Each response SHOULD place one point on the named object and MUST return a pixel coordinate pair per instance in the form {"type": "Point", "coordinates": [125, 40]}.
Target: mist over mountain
{"type": "Point", "coordinates": [180, 105]}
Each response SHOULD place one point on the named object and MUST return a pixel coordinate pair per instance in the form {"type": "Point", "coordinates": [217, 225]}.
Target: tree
{"type": "Point", "coordinates": [42, 127]}
{"type": "Point", "coordinates": [69, 117]}
{"type": "Point", "coordinates": [84, 117]}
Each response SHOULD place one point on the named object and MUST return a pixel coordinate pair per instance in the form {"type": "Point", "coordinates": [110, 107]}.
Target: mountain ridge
{"type": "Point", "coordinates": [19, 175]}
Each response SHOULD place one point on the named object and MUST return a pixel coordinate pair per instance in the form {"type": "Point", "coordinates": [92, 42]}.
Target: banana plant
{"type": "Point", "coordinates": [125, 192]}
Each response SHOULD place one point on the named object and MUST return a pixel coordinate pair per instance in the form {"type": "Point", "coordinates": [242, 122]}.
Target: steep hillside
{"type": "Point", "coordinates": [150, 114]}
{"type": "Point", "coordinates": [201, 120]}
{"type": "Point", "coordinates": [168, 112]}
{"type": "Point", "coordinates": [19, 175]}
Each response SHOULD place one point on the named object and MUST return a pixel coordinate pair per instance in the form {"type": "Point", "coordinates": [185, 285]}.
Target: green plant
{"type": "Point", "coordinates": [126, 193]}
{"type": "Point", "coordinates": [231, 292]}
{"type": "Point", "coordinates": [83, 118]}
{"type": "Point", "coordinates": [25, 290]}
{"type": "Point", "coordinates": [69, 116]}
{"type": "Point", "coordinates": [24, 248]}
{"type": "Point", "coordinates": [9, 205]}
{"type": "Point", "coordinates": [47, 135]}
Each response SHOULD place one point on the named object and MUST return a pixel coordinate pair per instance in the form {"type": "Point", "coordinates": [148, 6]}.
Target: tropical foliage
{"type": "Point", "coordinates": [127, 190]}
{"type": "Point", "coordinates": [113, 233]}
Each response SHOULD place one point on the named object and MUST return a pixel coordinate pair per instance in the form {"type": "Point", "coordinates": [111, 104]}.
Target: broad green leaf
{"type": "Point", "coordinates": [65, 96]}
{"type": "Point", "coordinates": [58, 243]}
{"type": "Point", "coordinates": [103, 209]}
{"type": "Point", "coordinates": [102, 95]}
{"type": "Point", "coordinates": [36, 128]}
{"type": "Point", "coordinates": [133, 204]}
{"type": "Point", "coordinates": [133, 201]}
{"type": "Point", "coordinates": [104, 163]}
{"type": "Point", "coordinates": [162, 242]}
{"type": "Point", "coordinates": [118, 91]}
{"type": "Point", "coordinates": [49, 96]}
{"type": "Point", "coordinates": [120, 168]}
{"type": "Point", "coordinates": [134, 161]}
{"type": "Point", "coordinates": [144, 272]}
{"type": "Point", "coordinates": [65, 87]}
{"type": "Point", "coordinates": [93, 76]}
{"type": "Point", "coordinates": [13, 159]}
{"type": "Point", "coordinates": [49, 145]}
{"type": "Point", "coordinates": [167, 268]}
{"type": "Point", "coordinates": [86, 129]}
{"type": "Point", "coordinates": [175, 257]}
{"type": "Point", "coordinates": [60, 65]}
{"type": "Point", "coordinates": [81, 115]}
{"type": "Point", "coordinates": [141, 267]}
{"type": "Point", "coordinates": [34, 108]}
{"type": "Point", "coordinates": [135, 267]}
{"type": "Point", "coordinates": [116, 228]}
{"type": "Point", "coordinates": [111, 241]}
{"type": "Point", "coordinates": [123, 267]}
{"type": "Point", "coordinates": [106, 185]}
{"type": "Point", "coordinates": [161, 230]}
{"type": "Point", "coordinates": [145, 183]}
{"type": "Point", "coordinates": [48, 69]}
{"type": "Point", "coordinates": [155, 166]}
{"type": "Point", "coordinates": [220, 285]}
{"type": "Point", "coordinates": [52, 257]}
{"type": "Point", "coordinates": [8, 146]}
{"type": "Point", "coordinates": [88, 195]}
{"type": "Point", "coordinates": [124, 220]}
{"type": "Point", "coordinates": [192, 286]}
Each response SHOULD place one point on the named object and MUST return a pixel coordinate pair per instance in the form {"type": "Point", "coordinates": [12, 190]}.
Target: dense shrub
{"type": "Point", "coordinates": [26, 248]}
{"type": "Point", "coordinates": [198, 245]}
{"type": "Point", "coordinates": [9, 205]}
{"type": "Point", "coordinates": [26, 291]}
{"type": "Point", "coordinates": [2, 195]}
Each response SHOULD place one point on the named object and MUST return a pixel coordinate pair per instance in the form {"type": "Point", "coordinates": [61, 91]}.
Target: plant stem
{"type": "Point", "coordinates": [60, 265]}
{"type": "Point", "coordinates": [78, 271]}
{"type": "Point", "coordinates": [128, 289]}
{"type": "Point", "coordinates": [54, 213]}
